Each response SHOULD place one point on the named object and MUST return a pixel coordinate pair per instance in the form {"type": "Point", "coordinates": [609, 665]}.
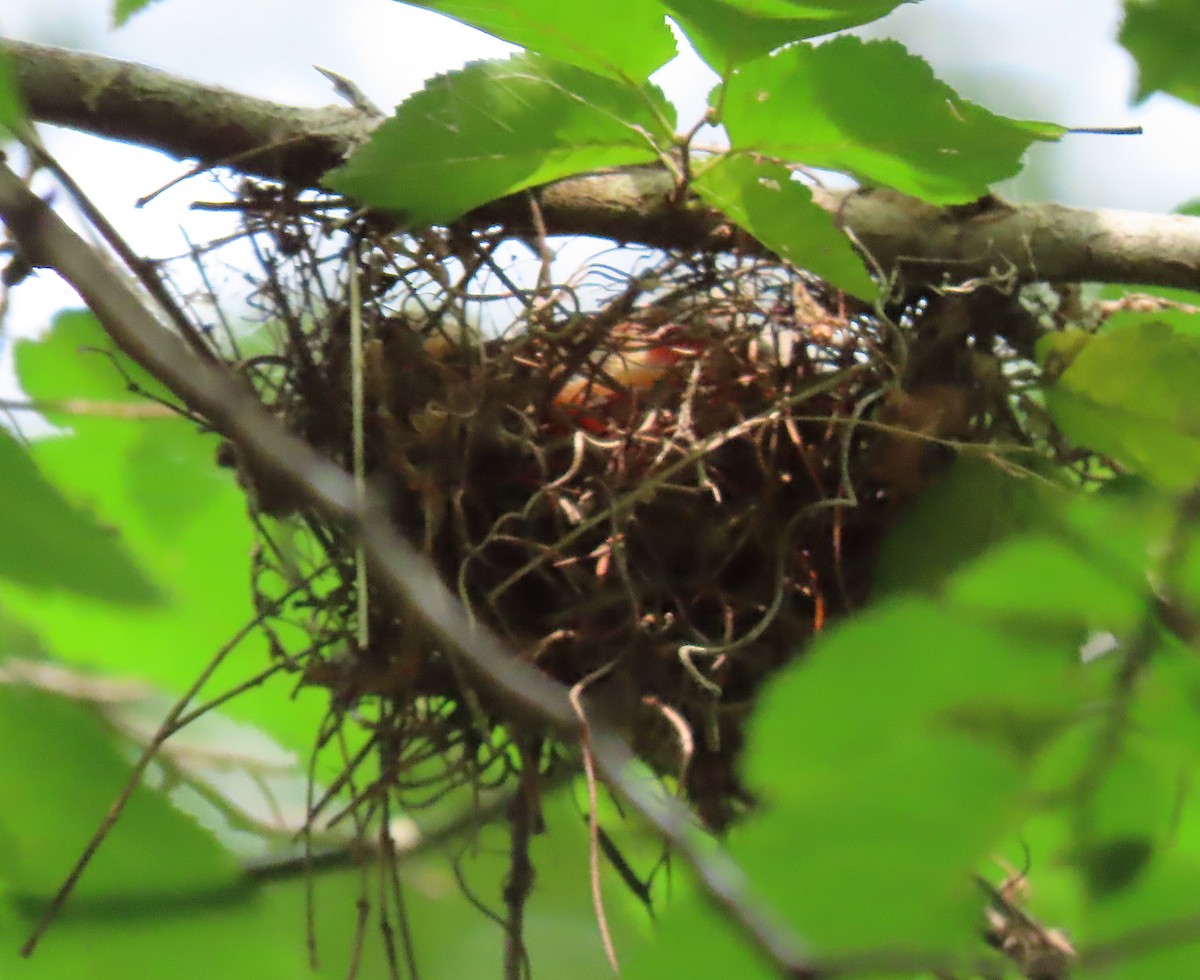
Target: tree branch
{"type": "Point", "coordinates": [187, 120]}
{"type": "Point", "coordinates": [922, 243]}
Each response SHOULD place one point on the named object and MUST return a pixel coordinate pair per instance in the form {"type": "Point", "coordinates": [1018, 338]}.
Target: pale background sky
{"type": "Point", "coordinates": [1049, 59]}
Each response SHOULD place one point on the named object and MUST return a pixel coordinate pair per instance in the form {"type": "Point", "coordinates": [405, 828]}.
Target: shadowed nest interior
{"type": "Point", "coordinates": [655, 478]}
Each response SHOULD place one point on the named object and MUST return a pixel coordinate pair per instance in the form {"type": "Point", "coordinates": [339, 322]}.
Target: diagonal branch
{"type": "Point", "coordinates": [922, 243]}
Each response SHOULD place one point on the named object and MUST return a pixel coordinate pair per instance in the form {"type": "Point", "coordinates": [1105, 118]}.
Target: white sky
{"type": "Point", "coordinates": [1048, 59]}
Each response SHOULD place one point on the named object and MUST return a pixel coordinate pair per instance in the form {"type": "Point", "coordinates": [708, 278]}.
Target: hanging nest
{"type": "Point", "coordinates": [655, 480]}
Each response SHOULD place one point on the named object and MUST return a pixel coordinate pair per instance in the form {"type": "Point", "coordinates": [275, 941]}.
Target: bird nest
{"type": "Point", "coordinates": [648, 478]}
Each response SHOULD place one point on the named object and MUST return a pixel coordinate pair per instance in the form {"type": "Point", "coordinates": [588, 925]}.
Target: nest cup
{"type": "Point", "coordinates": [646, 480]}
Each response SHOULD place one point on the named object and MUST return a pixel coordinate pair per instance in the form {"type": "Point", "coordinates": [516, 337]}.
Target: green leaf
{"type": "Point", "coordinates": [78, 360]}
{"type": "Point", "coordinates": [235, 935]}
{"type": "Point", "coordinates": [1123, 527]}
{"type": "Point", "coordinates": [878, 112]}
{"type": "Point", "coordinates": [764, 200]}
{"type": "Point", "coordinates": [1135, 798]}
{"type": "Point", "coordinates": [1168, 706]}
{"type": "Point", "coordinates": [1163, 37]}
{"type": "Point", "coordinates": [621, 38]}
{"type": "Point", "coordinates": [561, 938]}
{"type": "Point", "coordinates": [890, 712]}
{"type": "Point", "coordinates": [181, 518]}
{"type": "Point", "coordinates": [49, 544]}
{"type": "Point", "coordinates": [1117, 290]}
{"type": "Point", "coordinates": [184, 906]}
{"type": "Point", "coordinates": [170, 475]}
{"type": "Point", "coordinates": [61, 774]}
{"type": "Point", "coordinates": [892, 839]}
{"type": "Point", "coordinates": [12, 104]}
{"type": "Point", "coordinates": [676, 951]}
{"type": "Point", "coordinates": [1120, 796]}
{"type": "Point", "coordinates": [1130, 393]}
{"type": "Point", "coordinates": [75, 362]}
{"type": "Point", "coordinates": [497, 127]}
{"type": "Point", "coordinates": [905, 666]}
{"type": "Point", "coordinates": [1044, 579]}
{"type": "Point", "coordinates": [972, 507]}
{"type": "Point", "coordinates": [727, 33]}
{"type": "Point", "coordinates": [1145, 931]}
{"type": "Point", "coordinates": [1056, 351]}
{"type": "Point", "coordinates": [124, 9]}
{"type": "Point", "coordinates": [242, 932]}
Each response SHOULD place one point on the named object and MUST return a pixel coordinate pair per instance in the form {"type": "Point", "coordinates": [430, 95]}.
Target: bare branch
{"type": "Point", "coordinates": [1029, 242]}
{"type": "Point", "coordinates": [187, 120]}
{"type": "Point", "coordinates": [925, 244]}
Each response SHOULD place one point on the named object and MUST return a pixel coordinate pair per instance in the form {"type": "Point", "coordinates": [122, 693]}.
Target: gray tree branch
{"type": "Point", "coordinates": [901, 235]}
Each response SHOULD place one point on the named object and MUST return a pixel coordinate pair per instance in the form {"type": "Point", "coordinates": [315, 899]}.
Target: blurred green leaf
{"type": "Point", "coordinates": [1163, 36]}
{"type": "Point", "coordinates": [905, 666]}
{"type": "Point", "coordinates": [78, 360]}
{"type": "Point", "coordinates": [181, 518]}
{"type": "Point", "coordinates": [1119, 806]}
{"type": "Point", "coordinates": [1134, 799]}
{"type": "Point", "coordinates": [236, 936]}
{"type": "Point", "coordinates": [160, 902]}
{"type": "Point", "coordinates": [877, 112]}
{"type": "Point", "coordinates": [1123, 524]}
{"type": "Point", "coordinates": [886, 777]}
{"type": "Point", "coordinates": [12, 105]}
{"type": "Point", "coordinates": [47, 544]}
{"type": "Point", "coordinates": [727, 33]}
{"type": "Point", "coordinates": [62, 772]}
{"type": "Point", "coordinates": [1047, 580]}
{"type": "Point", "coordinates": [891, 840]}
{"type": "Point", "coordinates": [972, 507]}
{"type": "Point", "coordinates": [695, 940]}
{"type": "Point", "coordinates": [124, 9]}
{"type": "Point", "coordinates": [497, 127]}
{"type": "Point", "coordinates": [1167, 708]}
{"type": "Point", "coordinates": [1130, 394]}
{"type": "Point", "coordinates": [1109, 866]}
{"type": "Point", "coordinates": [1146, 931]}
{"type": "Point", "coordinates": [171, 473]}
{"type": "Point", "coordinates": [621, 38]}
{"type": "Point", "coordinates": [764, 200]}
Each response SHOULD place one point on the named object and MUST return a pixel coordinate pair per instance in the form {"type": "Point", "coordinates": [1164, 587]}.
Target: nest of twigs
{"type": "Point", "coordinates": [649, 480]}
